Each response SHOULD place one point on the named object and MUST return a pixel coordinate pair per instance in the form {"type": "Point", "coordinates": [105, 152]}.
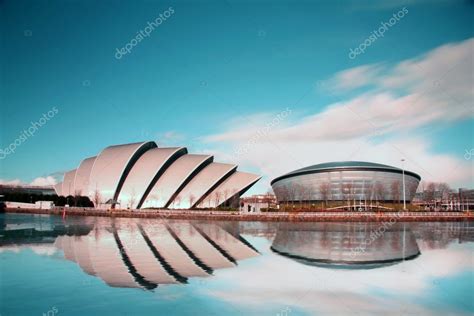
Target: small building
{"type": "Point", "coordinates": [255, 203]}
{"type": "Point", "coordinates": [45, 205]}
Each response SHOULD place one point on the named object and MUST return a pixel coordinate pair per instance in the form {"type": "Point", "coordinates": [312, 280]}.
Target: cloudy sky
{"type": "Point", "coordinates": [270, 86]}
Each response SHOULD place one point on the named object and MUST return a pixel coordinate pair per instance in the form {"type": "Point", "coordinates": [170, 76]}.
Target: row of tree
{"type": "Point", "coordinates": [76, 201]}
{"type": "Point", "coordinates": [433, 191]}
{"type": "Point", "coordinates": [79, 201]}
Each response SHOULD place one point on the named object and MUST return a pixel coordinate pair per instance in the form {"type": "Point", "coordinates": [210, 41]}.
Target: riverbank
{"type": "Point", "coordinates": [263, 217]}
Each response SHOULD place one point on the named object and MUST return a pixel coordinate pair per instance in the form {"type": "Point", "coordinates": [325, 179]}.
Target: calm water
{"type": "Point", "coordinates": [100, 266]}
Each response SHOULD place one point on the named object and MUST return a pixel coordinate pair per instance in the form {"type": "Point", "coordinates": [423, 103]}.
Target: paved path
{"type": "Point", "coordinates": [273, 217]}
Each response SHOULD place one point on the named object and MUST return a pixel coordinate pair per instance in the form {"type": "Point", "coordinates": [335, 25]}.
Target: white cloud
{"type": "Point", "coordinates": [170, 138]}
{"type": "Point", "coordinates": [353, 78]}
{"type": "Point", "coordinates": [42, 250]}
{"type": "Point", "coordinates": [43, 181]}
{"type": "Point", "coordinates": [40, 181]}
{"type": "Point", "coordinates": [329, 292]}
{"type": "Point", "coordinates": [10, 182]}
{"type": "Point", "coordinates": [380, 125]}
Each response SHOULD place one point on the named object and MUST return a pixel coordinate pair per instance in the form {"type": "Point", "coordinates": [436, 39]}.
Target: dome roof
{"type": "Point", "coordinates": [344, 165]}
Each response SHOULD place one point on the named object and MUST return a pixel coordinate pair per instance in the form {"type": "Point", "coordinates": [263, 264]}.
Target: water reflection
{"type": "Point", "coordinates": [297, 266]}
{"type": "Point", "coordinates": [136, 253]}
{"type": "Point", "coordinates": [37, 230]}
{"type": "Point", "coordinates": [346, 245]}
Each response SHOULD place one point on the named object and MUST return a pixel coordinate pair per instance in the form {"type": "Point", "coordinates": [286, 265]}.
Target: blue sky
{"type": "Point", "coordinates": [214, 70]}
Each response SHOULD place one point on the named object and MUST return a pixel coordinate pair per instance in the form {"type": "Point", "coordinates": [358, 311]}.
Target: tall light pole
{"type": "Point", "coordinates": [403, 180]}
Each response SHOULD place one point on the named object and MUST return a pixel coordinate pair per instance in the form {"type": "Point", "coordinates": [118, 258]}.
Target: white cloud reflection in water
{"type": "Point", "coordinates": [400, 289]}
{"type": "Point", "coordinates": [439, 281]}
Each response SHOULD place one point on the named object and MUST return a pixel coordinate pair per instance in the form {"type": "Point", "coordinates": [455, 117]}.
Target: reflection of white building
{"type": "Point", "coordinates": [141, 175]}
{"type": "Point", "coordinates": [149, 253]}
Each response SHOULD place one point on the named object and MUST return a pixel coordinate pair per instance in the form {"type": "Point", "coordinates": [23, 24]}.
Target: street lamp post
{"type": "Point", "coordinates": [403, 180]}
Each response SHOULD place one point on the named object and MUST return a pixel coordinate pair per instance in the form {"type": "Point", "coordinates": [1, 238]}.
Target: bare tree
{"type": "Point", "coordinates": [369, 192]}
{"type": "Point", "coordinates": [325, 191]}
{"type": "Point", "coordinates": [97, 198]}
{"type": "Point", "coordinates": [300, 193]}
{"type": "Point", "coordinates": [430, 192]}
{"type": "Point", "coordinates": [380, 191]}
{"type": "Point", "coordinates": [292, 192]}
{"type": "Point", "coordinates": [283, 194]}
{"type": "Point", "coordinates": [268, 198]}
{"type": "Point", "coordinates": [346, 189]}
{"type": "Point", "coordinates": [226, 195]}
{"type": "Point", "coordinates": [217, 198]}
{"type": "Point", "coordinates": [444, 190]}
{"type": "Point", "coordinates": [133, 198]}
{"type": "Point", "coordinates": [192, 199]}
{"type": "Point", "coordinates": [395, 190]}
{"type": "Point", "coordinates": [411, 190]}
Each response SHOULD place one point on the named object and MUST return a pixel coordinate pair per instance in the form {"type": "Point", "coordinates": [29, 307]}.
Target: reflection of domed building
{"type": "Point", "coordinates": [148, 253]}
{"type": "Point", "coordinates": [350, 245]}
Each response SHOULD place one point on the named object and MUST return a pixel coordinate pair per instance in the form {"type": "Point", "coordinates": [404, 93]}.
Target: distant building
{"type": "Point", "coordinates": [37, 205]}
{"type": "Point", "coordinates": [255, 203]}
{"type": "Point", "coordinates": [26, 189]}
{"type": "Point", "coordinates": [460, 200]}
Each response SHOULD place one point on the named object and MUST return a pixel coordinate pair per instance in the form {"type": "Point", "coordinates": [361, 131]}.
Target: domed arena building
{"type": "Point", "coordinates": [346, 180]}
{"type": "Point", "coordinates": [143, 175]}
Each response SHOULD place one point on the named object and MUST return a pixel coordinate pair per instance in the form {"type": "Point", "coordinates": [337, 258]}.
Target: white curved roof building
{"type": "Point", "coordinates": [141, 175]}
{"type": "Point", "coordinates": [83, 172]}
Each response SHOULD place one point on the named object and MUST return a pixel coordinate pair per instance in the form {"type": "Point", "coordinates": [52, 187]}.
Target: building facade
{"type": "Point", "coordinates": [348, 180]}
{"type": "Point", "coordinates": [141, 175]}
{"type": "Point", "coordinates": [255, 203]}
